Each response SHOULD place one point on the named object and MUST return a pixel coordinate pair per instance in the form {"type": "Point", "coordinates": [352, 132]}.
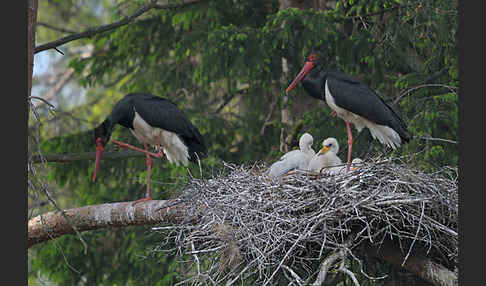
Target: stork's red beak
{"type": "Point", "coordinates": [303, 72]}
{"type": "Point", "coordinates": [99, 151]}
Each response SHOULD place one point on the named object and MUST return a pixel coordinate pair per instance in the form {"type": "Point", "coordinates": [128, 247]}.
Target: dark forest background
{"type": "Point", "coordinates": [226, 63]}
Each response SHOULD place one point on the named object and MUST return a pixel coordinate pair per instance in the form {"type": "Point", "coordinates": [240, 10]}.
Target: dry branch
{"type": "Point", "coordinates": [54, 224]}
{"type": "Point", "coordinates": [97, 30]}
{"type": "Point", "coordinates": [328, 262]}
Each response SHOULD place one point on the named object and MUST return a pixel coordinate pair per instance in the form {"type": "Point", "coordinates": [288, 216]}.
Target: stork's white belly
{"type": "Point", "coordinates": [173, 147]}
{"type": "Point", "coordinates": [357, 120]}
{"type": "Point", "coordinates": [383, 133]}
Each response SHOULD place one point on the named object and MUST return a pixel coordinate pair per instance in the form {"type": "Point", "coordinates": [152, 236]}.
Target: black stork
{"type": "Point", "coordinates": [153, 121]}
{"type": "Point", "coordinates": [354, 102]}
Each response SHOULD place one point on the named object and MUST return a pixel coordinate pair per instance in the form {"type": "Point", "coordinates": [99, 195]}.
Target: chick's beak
{"type": "Point", "coordinates": [323, 150]}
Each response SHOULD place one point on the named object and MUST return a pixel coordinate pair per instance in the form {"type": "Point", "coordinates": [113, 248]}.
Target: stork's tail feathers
{"type": "Point", "coordinates": [400, 128]}
{"type": "Point", "coordinates": [388, 136]}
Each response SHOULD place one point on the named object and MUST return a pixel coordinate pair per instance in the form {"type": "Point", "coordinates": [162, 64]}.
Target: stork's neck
{"type": "Point", "coordinates": [110, 123]}
{"type": "Point", "coordinates": [313, 83]}
{"type": "Point", "coordinates": [103, 131]}
{"type": "Point", "coordinates": [334, 149]}
{"type": "Point", "coordinates": [117, 117]}
{"type": "Point", "coordinates": [123, 113]}
{"type": "Point", "coordinates": [305, 148]}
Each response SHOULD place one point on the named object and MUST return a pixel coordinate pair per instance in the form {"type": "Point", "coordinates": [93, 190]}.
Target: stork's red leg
{"type": "Point", "coordinates": [350, 145]}
{"type": "Point", "coordinates": [159, 154]}
{"type": "Point", "coordinates": [149, 168]}
{"type": "Point", "coordinates": [128, 146]}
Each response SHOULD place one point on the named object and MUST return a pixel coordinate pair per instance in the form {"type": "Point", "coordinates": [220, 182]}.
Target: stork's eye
{"type": "Point", "coordinates": [313, 58]}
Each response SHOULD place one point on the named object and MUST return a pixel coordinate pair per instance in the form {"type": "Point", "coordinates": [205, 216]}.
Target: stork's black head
{"type": "Point", "coordinates": [103, 133]}
{"type": "Point", "coordinates": [316, 57]}
{"type": "Point", "coordinates": [312, 62]}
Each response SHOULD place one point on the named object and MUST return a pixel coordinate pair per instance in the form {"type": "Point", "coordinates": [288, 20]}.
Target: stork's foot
{"type": "Point", "coordinates": [159, 153]}
{"type": "Point", "coordinates": [141, 200]}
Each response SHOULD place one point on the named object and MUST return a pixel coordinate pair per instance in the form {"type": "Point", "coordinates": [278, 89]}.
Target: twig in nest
{"type": "Point", "coordinates": [331, 259]}
{"type": "Point", "coordinates": [346, 271]}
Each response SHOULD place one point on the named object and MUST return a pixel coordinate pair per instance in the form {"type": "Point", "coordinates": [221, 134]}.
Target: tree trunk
{"type": "Point", "coordinates": [31, 24]}
{"type": "Point", "coordinates": [422, 267]}
{"type": "Point", "coordinates": [285, 119]}
{"type": "Point", "coordinates": [286, 137]}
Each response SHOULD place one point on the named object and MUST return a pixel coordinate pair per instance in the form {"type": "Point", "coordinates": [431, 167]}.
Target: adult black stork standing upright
{"type": "Point", "coordinates": [153, 121]}
{"type": "Point", "coordinates": [354, 102]}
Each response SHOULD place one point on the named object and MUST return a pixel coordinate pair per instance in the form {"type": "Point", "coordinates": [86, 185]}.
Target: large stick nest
{"type": "Point", "coordinates": [254, 227]}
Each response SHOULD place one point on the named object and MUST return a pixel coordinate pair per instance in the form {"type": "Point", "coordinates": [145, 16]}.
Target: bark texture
{"type": "Point", "coordinates": [31, 24]}
{"type": "Point", "coordinates": [55, 224]}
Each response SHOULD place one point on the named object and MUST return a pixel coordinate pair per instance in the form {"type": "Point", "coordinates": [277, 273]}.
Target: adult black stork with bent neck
{"type": "Point", "coordinates": [153, 121]}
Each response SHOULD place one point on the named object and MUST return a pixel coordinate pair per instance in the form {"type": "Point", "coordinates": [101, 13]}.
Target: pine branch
{"type": "Point", "coordinates": [97, 30]}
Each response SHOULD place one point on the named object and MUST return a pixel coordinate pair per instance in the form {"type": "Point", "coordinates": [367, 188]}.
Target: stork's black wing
{"type": "Point", "coordinates": [358, 98]}
{"type": "Point", "coordinates": [162, 113]}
